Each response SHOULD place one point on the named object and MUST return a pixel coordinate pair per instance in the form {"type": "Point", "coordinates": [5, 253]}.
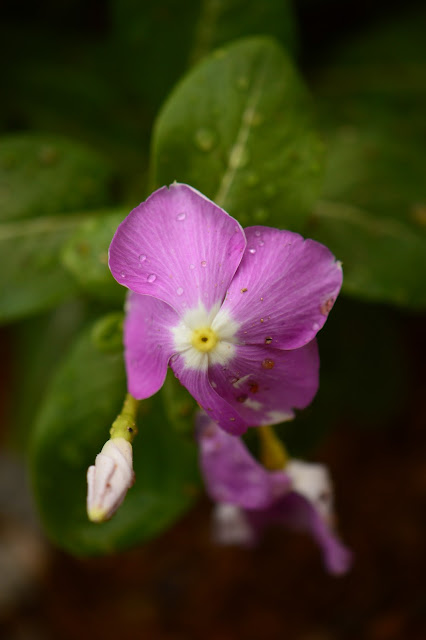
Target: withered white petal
{"type": "Point", "coordinates": [313, 482]}
{"type": "Point", "coordinates": [230, 525]}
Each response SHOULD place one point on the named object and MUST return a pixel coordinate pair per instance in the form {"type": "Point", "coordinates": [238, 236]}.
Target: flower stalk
{"type": "Point", "coordinates": [109, 479]}
{"type": "Point", "coordinates": [124, 426]}
{"type": "Point", "coordinates": [273, 453]}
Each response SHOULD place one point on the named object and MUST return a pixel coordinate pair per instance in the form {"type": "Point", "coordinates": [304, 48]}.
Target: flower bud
{"type": "Point", "coordinates": [109, 479]}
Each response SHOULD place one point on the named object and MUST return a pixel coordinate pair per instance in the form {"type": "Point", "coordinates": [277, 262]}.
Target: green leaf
{"type": "Point", "coordinates": [383, 259]}
{"type": "Point", "coordinates": [82, 402]}
{"type": "Point", "coordinates": [42, 175]}
{"type": "Point", "coordinates": [374, 215]}
{"type": "Point", "coordinates": [86, 256]}
{"type": "Point", "coordinates": [32, 278]}
{"type": "Point", "coordinates": [239, 129]}
{"type": "Point", "coordinates": [39, 343]}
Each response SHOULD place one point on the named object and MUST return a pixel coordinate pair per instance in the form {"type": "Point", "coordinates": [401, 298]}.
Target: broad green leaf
{"type": "Point", "coordinates": [39, 343]}
{"type": "Point", "coordinates": [82, 401]}
{"type": "Point", "coordinates": [383, 259]}
{"type": "Point", "coordinates": [43, 175]}
{"type": "Point", "coordinates": [32, 278]}
{"type": "Point", "coordinates": [239, 129]}
{"type": "Point", "coordinates": [373, 103]}
{"type": "Point", "coordinates": [86, 256]}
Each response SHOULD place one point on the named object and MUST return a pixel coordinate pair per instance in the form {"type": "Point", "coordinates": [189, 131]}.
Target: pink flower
{"type": "Point", "coordinates": [234, 312]}
{"type": "Point", "coordinates": [250, 498]}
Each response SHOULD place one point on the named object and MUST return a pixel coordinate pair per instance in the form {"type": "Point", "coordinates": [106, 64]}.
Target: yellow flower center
{"type": "Point", "coordinates": [204, 339]}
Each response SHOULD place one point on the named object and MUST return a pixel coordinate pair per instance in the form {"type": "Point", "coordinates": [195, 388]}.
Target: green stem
{"type": "Point", "coordinates": [273, 453]}
{"type": "Point", "coordinates": [124, 426]}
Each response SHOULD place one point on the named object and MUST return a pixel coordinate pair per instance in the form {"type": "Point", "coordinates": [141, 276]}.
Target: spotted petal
{"type": "Point", "coordinates": [283, 289]}
{"type": "Point", "coordinates": [231, 473]}
{"type": "Point", "coordinates": [197, 383]}
{"type": "Point", "coordinates": [179, 247]}
{"type": "Point", "coordinates": [148, 343]}
{"type": "Point", "coordinates": [264, 385]}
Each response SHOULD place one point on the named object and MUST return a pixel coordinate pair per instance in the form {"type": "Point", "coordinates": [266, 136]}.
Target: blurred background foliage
{"type": "Point", "coordinates": [306, 115]}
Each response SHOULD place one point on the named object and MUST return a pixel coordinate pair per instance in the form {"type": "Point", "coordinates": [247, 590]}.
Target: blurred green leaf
{"type": "Point", "coordinates": [42, 175]}
{"type": "Point", "coordinates": [83, 400]}
{"type": "Point", "coordinates": [86, 256]}
{"type": "Point", "coordinates": [107, 333]}
{"type": "Point", "coordinates": [179, 405]}
{"type": "Point", "coordinates": [383, 259]}
{"type": "Point", "coordinates": [39, 343]}
{"type": "Point", "coordinates": [238, 128]}
{"type": "Point", "coordinates": [32, 278]}
{"type": "Point", "coordinates": [373, 101]}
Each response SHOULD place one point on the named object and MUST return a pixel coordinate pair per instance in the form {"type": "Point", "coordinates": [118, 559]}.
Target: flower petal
{"type": "Point", "coordinates": [283, 289]}
{"type": "Point", "coordinates": [231, 473]}
{"type": "Point", "coordinates": [148, 343]}
{"type": "Point", "coordinates": [296, 512]}
{"type": "Point", "coordinates": [230, 526]}
{"type": "Point", "coordinates": [198, 385]}
{"type": "Point", "coordinates": [265, 385]}
{"type": "Point", "coordinates": [179, 247]}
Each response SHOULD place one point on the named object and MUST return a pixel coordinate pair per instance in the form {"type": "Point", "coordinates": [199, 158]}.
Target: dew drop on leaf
{"type": "Point", "coordinates": [205, 139]}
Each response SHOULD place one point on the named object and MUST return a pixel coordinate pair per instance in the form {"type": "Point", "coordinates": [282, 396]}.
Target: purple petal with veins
{"type": "Point", "coordinates": [283, 289]}
{"type": "Point", "coordinates": [234, 312]}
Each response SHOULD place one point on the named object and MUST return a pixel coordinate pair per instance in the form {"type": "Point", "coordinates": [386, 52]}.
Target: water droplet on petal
{"type": "Point", "coordinates": [181, 216]}
{"type": "Point", "coordinates": [268, 364]}
{"type": "Point", "coordinates": [252, 251]}
{"type": "Point", "coordinates": [142, 257]}
{"type": "Point", "coordinates": [205, 139]}
{"type": "Point", "coordinates": [203, 263]}
{"type": "Point", "coordinates": [315, 326]}
{"type": "Point", "coordinates": [257, 233]}
{"type": "Point", "coordinates": [152, 278]}
{"type": "Point", "coordinates": [192, 266]}
{"type": "Point", "coordinates": [261, 243]}
{"type": "Point", "coordinates": [122, 274]}
{"type": "Point", "coordinates": [179, 291]}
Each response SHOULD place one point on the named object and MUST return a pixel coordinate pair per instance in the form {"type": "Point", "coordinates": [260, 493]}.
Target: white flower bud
{"type": "Point", "coordinates": [313, 482]}
{"type": "Point", "coordinates": [109, 479]}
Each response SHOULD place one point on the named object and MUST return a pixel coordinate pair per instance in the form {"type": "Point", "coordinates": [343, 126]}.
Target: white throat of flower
{"type": "Point", "coordinates": [205, 338]}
